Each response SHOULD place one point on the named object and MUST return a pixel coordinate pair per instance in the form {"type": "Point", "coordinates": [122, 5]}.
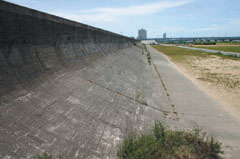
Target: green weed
{"type": "Point", "coordinates": [46, 156]}
{"type": "Point", "coordinates": [149, 57]}
{"type": "Point", "coordinates": [138, 95]}
{"type": "Point", "coordinates": [164, 143]}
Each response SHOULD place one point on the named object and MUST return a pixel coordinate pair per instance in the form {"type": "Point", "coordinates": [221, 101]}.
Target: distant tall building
{"type": "Point", "coordinates": [164, 35]}
{"type": "Point", "coordinates": [142, 34]}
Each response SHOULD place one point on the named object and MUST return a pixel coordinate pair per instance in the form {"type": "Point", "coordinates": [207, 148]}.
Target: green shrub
{"type": "Point", "coordinates": [164, 143]}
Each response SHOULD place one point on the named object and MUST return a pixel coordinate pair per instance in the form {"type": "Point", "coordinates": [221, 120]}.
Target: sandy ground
{"type": "Point", "coordinates": [220, 78]}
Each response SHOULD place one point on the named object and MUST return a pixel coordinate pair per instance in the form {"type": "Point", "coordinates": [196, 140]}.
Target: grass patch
{"type": "Point", "coordinates": [182, 54]}
{"type": "Point", "coordinates": [46, 156]}
{"type": "Point", "coordinates": [204, 43]}
{"type": "Point", "coordinates": [164, 143]}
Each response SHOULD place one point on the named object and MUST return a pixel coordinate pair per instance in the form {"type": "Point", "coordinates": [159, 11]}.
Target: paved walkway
{"type": "Point", "coordinates": [194, 106]}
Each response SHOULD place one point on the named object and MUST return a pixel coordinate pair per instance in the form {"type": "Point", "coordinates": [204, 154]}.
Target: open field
{"type": "Point", "coordinates": [217, 74]}
{"type": "Point", "coordinates": [227, 48]}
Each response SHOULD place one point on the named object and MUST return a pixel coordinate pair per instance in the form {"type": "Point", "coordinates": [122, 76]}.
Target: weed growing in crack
{"type": "Point", "coordinates": [141, 102]}
{"type": "Point", "coordinates": [145, 48]}
{"type": "Point", "coordinates": [148, 54]}
{"type": "Point", "coordinates": [149, 57]}
{"type": "Point", "coordinates": [46, 156]}
{"type": "Point", "coordinates": [138, 95]}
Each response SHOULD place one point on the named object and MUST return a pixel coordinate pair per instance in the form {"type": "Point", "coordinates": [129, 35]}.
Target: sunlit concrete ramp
{"type": "Point", "coordinates": [76, 91]}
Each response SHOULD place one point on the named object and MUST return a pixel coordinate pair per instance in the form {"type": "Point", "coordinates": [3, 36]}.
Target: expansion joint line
{"type": "Point", "coordinates": [166, 91]}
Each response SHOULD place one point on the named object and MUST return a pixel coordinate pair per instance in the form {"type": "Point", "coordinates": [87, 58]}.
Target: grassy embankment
{"type": "Point", "coordinates": [191, 60]}
{"type": "Point", "coordinates": [181, 54]}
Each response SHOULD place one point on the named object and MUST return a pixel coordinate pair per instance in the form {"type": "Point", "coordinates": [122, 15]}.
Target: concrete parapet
{"type": "Point", "coordinates": [33, 42]}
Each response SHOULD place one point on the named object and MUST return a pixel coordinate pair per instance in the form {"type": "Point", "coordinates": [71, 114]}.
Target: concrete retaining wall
{"type": "Point", "coordinates": [32, 42]}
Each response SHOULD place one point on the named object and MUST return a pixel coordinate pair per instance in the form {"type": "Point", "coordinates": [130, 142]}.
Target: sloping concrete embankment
{"type": "Point", "coordinates": [33, 43]}
{"type": "Point", "coordinates": [46, 102]}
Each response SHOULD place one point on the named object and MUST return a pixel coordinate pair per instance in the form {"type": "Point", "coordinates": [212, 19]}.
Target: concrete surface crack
{"type": "Point", "coordinates": [166, 92]}
{"type": "Point", "coordinates": [164, 112]}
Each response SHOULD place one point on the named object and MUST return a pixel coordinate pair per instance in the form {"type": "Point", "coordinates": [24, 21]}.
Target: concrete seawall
{"type": "Point", "coordinates": [34, 43]}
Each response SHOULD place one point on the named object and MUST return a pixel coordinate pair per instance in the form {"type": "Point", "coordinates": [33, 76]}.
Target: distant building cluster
{"type": "Point", "coordinates": [142, 34]}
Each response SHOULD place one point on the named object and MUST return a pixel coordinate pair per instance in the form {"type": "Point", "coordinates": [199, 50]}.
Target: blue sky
{"type": "Point", "coordinates": [178, 18]}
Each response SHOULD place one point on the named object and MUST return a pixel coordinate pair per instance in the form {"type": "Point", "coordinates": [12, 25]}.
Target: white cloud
{"type": "Point", "coordinates": [113, 14]}
{"type": "Point", "coordinates": [139, 9]}
{"type": "Point", "coordinates": [223, 27]}
{"type": "Point", "coordinates": [27, 3]}
{"type": "Point", "coordinates": [230, 27]}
